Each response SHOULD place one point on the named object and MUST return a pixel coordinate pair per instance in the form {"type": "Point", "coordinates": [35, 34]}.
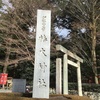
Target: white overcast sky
{"type": "Point", "coordinates": [62, 32]}
{"type": "Point", "coordinates": [7, 2]}
{"type": "Point", "coordinates": [4, 7]}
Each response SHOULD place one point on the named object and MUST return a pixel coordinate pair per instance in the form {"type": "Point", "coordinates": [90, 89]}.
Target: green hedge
{"type": "Point", "coordinates": [85, 87]}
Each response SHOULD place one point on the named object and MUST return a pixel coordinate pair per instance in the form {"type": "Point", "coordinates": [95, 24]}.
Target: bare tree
{"type": "Point", "coordinates": [17, 31]}
{"type": "Point", "coordinates": [87, 15]}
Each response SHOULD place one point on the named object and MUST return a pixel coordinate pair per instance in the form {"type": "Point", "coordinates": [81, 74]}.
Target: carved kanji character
{"type": "Point", "coordinates": [43, 51]}
{"type": "Point", "coordinates": [41, 83]}
{"type": "Point", "coordinates": [43, 38]}
{"type": "Point", "coordinates": [43, 66]}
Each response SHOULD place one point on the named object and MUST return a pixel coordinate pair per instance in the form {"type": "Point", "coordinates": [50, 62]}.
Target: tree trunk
{"type": "Point", "coordinates": [7, 57]}
{"type": "Point", "coordinates": [6, 62]}
{"type": "Point", "coordinates": [93, 51]}
{"type": "Point", "coordinates": [5, 69]}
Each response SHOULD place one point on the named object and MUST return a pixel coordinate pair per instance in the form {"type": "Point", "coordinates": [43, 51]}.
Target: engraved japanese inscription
{"type": "Point", "coordinates": [42, 55]}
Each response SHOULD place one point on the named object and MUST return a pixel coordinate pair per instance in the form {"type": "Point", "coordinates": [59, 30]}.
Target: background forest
{"type": "Point", "coordinates": [17, 36]}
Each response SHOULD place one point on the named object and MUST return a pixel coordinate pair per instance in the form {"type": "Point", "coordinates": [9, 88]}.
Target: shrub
{"type": "Point", "coordinates": [85, 87]}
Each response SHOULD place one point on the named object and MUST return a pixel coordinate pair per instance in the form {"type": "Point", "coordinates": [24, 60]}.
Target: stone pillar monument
{"type": "Point", "coordinates": [42, 55]}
